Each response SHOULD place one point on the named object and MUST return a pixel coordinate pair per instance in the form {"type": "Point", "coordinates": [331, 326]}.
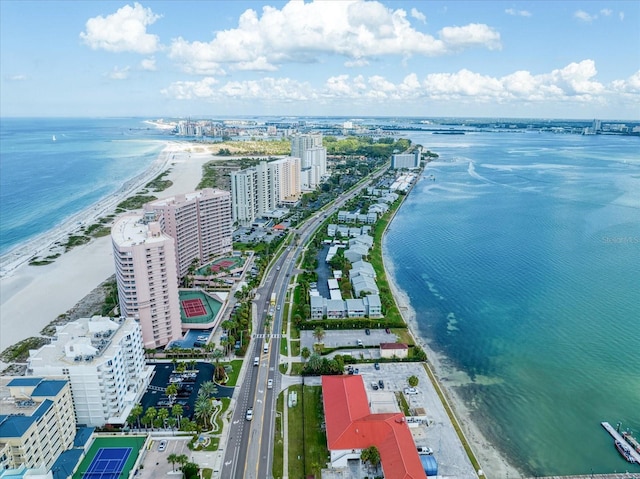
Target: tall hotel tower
{"type": "Point", "coordinates": [145, 261]}
{"type": "Point", "coordinates": [199, 222]}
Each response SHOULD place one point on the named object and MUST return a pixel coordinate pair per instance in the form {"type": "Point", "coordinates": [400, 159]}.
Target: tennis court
{"type": "Point", "coordinates": [110, 458]}
{"type": "Point", "coordinates": [193, 307]}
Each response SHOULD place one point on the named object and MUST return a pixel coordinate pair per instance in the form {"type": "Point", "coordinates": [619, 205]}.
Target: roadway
{"type": "Point", "coordinates": [249, 453]}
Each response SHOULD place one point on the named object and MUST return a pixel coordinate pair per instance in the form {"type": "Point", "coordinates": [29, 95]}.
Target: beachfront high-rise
{"type": "Point", "coordinates": [147, 278]}
{"type": "Point", "coordinates": [199, 222]}
{"type": "Point", "coordinates": [37, 423]}
{"type": "Point", "coordinates": [103, 360]}
{"type": "Point", "coordinates": [257, 190]}
{"type": "Point", "coordinates": [303, 142]}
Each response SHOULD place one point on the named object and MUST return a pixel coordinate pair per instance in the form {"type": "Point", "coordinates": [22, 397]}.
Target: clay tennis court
{"type": "Point", "coordinates": [193, 307]}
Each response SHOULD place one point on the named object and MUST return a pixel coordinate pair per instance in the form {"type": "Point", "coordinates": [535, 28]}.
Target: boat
{"type": "Point", "coordinates": [633, 442]}
{"type": "Point", "coordinates": [53, 137]}
{"type": "Point", "coordinates": [625, 451]}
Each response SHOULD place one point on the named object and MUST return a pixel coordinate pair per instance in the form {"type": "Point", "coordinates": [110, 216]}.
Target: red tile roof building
{"type": "Point", "coordinates": [351, 427]}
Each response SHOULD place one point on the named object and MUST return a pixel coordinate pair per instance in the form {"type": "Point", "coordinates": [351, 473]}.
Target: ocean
{"type": "Point", "coordinates": [522, 261]}
{"type": "Point", "coordinates": [51, 169]}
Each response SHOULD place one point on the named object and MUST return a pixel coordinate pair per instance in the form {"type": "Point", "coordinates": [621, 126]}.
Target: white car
{"type": "Point", "coordinates": [249, 415]}
{"type": "Point", "coordinates": [424, 450]}
{"type": "Point", "coordinates": [270, 384]}
{"type": "Point", "coordinates": [411, 391]}
{"type": "Point", "coordinates": [162, 446]}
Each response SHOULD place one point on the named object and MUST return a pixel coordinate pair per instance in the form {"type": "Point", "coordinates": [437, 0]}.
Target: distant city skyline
{"type": "Point", "coordinates": [521, 59]}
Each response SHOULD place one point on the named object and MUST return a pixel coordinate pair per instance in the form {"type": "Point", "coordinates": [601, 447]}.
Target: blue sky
{"type": "Point", "coordinates": [545, 59]}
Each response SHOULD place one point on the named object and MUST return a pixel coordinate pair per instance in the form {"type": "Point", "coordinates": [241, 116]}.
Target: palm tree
{"type": "Point", "coordinates": [182, 459]}
{"type": "Point", "coordinates": [135, 414]}
{"type": "Point", "coordinates": [203, 409]}
{"type": "Point", "coordinates": [208, 389]}
{"type": "Point", "coordinates": [171, 390]}
{"type": "Point", "coordinates": [177, 411]}
{"type": "Point", "coordinates": [173, 458]}
{"type": "Point", "coordinates": [163, 414]}
{"type": "Point", "coordinates": [149, 416]}
{"type": "Point", "coordinates": [318, 333]}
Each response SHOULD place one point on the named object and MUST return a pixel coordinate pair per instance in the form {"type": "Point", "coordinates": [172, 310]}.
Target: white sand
{"type": "Point", "coordinates": [33, 296]}
{"type": "Point", "coordinates": [491, 461]}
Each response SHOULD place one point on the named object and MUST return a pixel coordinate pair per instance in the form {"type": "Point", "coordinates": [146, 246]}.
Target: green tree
{"type": "Point", "coordinates": [134, 416]}
{"type": "Point", "coordinates": [149, 416]}
{"type": "Point", "coordinates": [203, 409]}
{"type": "Point", "coordinates": [171, 390]}
{"type": "Point", "coordinates": [208, 389]}
{"type": "Point", "coordinates": [370, 455]}
{"type": "Point", "coordinates": [176, 411]}
{"type": "Point", "coordinates": [190, 470]}
{"type": "Point", "coordinates": [305, 352]}
{"type": "Point", "coordinates": [163, 414]}
{"type": "Point", "coordinates": [413, 381]}
{"type": "Point", "coordinates": [318, 334]}
{"type": "Point", "coordinates": [173, 459]}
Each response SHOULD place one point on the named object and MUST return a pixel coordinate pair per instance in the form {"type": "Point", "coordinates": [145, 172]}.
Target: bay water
{"type": "Point", "coordinates": [521, 257]}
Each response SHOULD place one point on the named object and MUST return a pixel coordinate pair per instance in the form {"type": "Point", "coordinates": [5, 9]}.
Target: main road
{"type": "Point", "coordinates": [249, 453]}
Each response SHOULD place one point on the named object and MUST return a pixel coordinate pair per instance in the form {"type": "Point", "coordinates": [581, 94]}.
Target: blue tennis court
{"type": "Point", "coordinates": [108, 463]}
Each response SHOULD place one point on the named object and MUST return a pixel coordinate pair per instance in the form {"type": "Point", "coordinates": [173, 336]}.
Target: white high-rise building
{"type": "Point", "coordinates": [147, 278]}
{"type": "Point", "coordinates": [315, 161]}
{"type": "Point", "coordinates": [300, 143]}
{"type": "Point", "coordinates": [103, 360]}
{"type": "Point", "coordinates": [199, 222]}
{"type": "Point", "coordinates": [410, 161]}
{"type": "Point", "coordinates": [257, 190]}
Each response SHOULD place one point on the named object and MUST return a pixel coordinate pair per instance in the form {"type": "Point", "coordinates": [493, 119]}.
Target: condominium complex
{"type": "Point", "coordinates": [199, 222]}
{"type": "Point", "coordinates": [147, 278]}
{"type": "Point", "coordinates": [37, 422]}
{"type": "Point", "coordinates": [259, 189]}
{"type": "Point", "coordinates": [103, 360]}
{"type": "Point", "coordinates": [301, 143]}
{"type": "Point", "coordinates": [314, 167]}
{"type": "Point", "coordinates": [406, 160]}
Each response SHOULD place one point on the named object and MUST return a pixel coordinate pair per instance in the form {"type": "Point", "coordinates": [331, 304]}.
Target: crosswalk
{"type": "Point", "coordinates": [270, 336]}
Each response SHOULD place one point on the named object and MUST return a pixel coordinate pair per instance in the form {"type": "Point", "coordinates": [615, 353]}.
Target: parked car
{"type": "Point", "coordinates": [387, 330]}
{"type": "Point", "coordinates": [411, 391]}
{"type": "Point", "coordinates": [381, 383]}
{"type": "Point", "coordinates": [374, 386]}
{"type": "Point", "coordinates": [162, 446]}
{"type": "Point", "coordinates": [376, 366]}
{"type": "Point", "coordinates": [424, 450]}
{"type": "Point", "coordinates": [367, 331]}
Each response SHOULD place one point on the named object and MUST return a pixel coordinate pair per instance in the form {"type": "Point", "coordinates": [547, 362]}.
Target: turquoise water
{"type": "Point", "coordinates": [522, 261]}
{"type": "Point", "coordinates": [44, 182]}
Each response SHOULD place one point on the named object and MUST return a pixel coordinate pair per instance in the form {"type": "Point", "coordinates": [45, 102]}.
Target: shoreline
{"type": "Point", "coordinates": [34, 296]}
{"type": "Point", "coordinates": [46, 242]}
{"type": "Point", "coordinates": [492, 462]}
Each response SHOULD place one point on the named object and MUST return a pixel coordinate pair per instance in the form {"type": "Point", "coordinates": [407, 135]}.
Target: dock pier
{"type": "Point", "coordinates": [618, 437]}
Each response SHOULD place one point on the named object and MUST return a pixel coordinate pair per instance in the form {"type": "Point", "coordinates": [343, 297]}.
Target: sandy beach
{"type": "Point", "coordinates": [33, 296]}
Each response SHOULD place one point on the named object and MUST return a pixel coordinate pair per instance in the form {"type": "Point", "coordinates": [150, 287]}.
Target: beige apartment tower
{"type": "Point", "coordinates": [199, 222]}
{"type": "Point", "coordinates": [145, 262]}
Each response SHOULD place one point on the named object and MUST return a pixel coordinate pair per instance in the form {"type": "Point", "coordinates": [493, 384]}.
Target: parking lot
{"type": "Point", "coordinates": [433, 428]}
{"type": "Point", "coordinates": [348, 338]}
{"type": "Point", "coordinates": [155, 462]}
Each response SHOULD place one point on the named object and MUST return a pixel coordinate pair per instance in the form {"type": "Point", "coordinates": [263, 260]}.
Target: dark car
{"type": "Point", "coordinates": [367, 331]}
{"type": "Point", "coordinates": [377, 366]}
{"type": "Point", "coordinates": [381, 383]}
{"type": "Point", "coordinates": [387, 330]}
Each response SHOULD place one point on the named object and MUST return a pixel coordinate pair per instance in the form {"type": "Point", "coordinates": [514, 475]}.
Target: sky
{"type": "Point", "coordinates": [167, 59]}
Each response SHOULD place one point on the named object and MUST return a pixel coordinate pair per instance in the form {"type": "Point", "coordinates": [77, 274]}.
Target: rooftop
{"type": "Point", "coordinates": [129, 230]}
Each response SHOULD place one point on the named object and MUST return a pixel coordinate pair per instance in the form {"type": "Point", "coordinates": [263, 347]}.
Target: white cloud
{"type": "Point", "coordinates": [123, 31]}
{"type": "Point", "coordinates": [607, 12]}
{"type": "Point", "coordinates": [119, 73]}
{"type": "Point", "coordinates": [18, 77]}
{"type": "Point", "coordinates": [149, 64]}
{"type": "Point", "coordinates": [574, 83]}
{"type": "Point", "coordinates": [190, 90]}
{"type": "Point", "coordinates": [418, 15]}
{"type": "Point", "coordinates": [471, 35]}
{"type": "Point", "coordinates": [584, 16]}
{"type": "Point", "coordinates": [621, 16]}
{"type": "Point", "coordinates": [518, 13]}
{"type": "Point", "coordinates": [354, 29]}
{"type": "Point", "coordinates": [361, 62]}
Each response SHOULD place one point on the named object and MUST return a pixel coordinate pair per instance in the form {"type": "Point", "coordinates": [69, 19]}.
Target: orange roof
{"type": "Point", "coordinates": [279, 226]}
{"type": "Point", "coordinates": [394, 346]}
{"type": "Point", "coordinates": [350, 425]}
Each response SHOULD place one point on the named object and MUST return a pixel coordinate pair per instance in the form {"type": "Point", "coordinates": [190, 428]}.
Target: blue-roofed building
{"type": "Point", "coordinates": [37, 424]}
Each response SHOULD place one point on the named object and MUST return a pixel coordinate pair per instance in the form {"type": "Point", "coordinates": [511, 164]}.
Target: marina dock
{"type": "Point", "coordinates": [618, 437]}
